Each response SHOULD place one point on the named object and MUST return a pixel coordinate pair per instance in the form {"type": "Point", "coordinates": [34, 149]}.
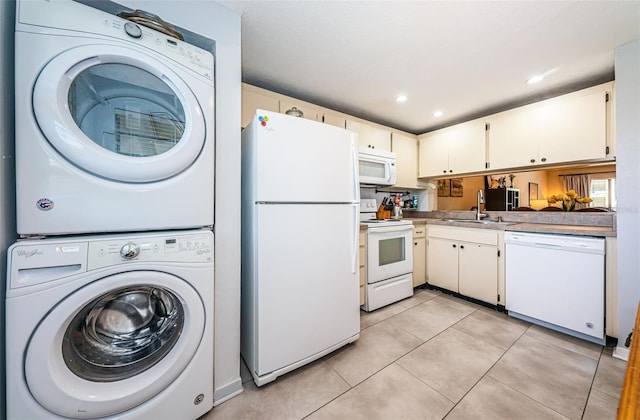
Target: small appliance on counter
{"type": "Point", "coordinates": [502, 199]}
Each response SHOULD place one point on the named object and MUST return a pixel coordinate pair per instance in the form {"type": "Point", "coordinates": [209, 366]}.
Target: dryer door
{"type": "Point", "coordinates": [114, 344]}
{"type": "Point", "coordinates": [119, 114]}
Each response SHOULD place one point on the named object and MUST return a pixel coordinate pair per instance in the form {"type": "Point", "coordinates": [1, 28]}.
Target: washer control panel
{"type": "Point", "coordinates": [196, 247]}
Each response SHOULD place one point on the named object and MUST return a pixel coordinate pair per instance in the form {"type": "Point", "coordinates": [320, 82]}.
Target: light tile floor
{"type": "Point", "coordinates": [434, 356]}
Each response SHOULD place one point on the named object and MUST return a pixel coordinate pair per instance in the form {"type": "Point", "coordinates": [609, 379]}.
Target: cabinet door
{"type": "Point", "coordinates": [513, 138]}
{"type": "Point", "coordinates": [574, 127]}
{"type": "Point", "coordinates": [309, 111]}
{"type": "Point", "coordinates": [334, 120]}
{"type": "Point", "coordinates": [467, 147]}
{"type": "Point", "coordinates": [433, 155]}
{"type": "Point", "coordinates": [406, 150]}
{"type": "Point", "coordinates": [478, 271]}
{"type": "Point", "coordinates": [442, 263]}
{"type": "Point", "coordinates": [252, 100]}
{"type": "Point", "coordinates": [419, 261]}
{"type": "Point", "coordinates": [370, 136]}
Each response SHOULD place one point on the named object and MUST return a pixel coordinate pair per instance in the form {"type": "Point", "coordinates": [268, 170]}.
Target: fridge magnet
{"type": "Point", "coordinates": [456, 187]}
{"type": "Point", "coordinates": [443, 187]}
{"type": "Point", "coordinates": [533, 192]}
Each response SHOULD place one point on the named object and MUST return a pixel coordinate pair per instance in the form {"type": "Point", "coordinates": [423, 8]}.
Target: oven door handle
{"type": "Point", "coordinates": [385, 229]}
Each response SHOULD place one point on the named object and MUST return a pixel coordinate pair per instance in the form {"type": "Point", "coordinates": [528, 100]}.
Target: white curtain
{"type": "Point", "coordinates": [581, 184]}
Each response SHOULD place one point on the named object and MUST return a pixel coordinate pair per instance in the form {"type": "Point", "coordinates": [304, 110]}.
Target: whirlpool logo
{"type": "Point", "coordinates": [44, 204]}
{"type": "Point", "coordinates": [28, 253]}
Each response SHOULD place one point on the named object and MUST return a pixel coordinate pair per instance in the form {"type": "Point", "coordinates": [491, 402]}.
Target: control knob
{"type": "Point", "coordinates": [129, 251]}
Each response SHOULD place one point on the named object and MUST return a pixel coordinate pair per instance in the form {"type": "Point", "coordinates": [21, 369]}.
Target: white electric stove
{"type": "Point", "coordinates": [389, 258]}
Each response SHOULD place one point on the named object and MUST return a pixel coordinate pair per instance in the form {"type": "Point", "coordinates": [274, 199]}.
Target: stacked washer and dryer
{"type": "Point", "coordinates": [109, 299]}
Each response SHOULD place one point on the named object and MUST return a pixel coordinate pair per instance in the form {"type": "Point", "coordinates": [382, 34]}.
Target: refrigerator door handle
{"type": "Point", "coordinates": [356, 181]}
{"type": "Point", "coordinates": [356, 237]}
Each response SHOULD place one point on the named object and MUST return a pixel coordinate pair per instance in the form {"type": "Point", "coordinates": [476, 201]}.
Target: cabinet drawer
{"type": "Point", "coordinates": [419, 231]}
{"type": "Point", "coordinates": [480, 236]}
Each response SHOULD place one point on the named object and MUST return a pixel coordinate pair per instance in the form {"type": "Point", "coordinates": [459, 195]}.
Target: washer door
{"type": "Point", "coordinates": [119, 114]}
{"type": "Point", "coordinates": [114, 344]}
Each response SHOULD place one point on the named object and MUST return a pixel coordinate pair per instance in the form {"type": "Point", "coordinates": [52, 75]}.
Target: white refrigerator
{"type": "Point", "coordinates": [300, 226]}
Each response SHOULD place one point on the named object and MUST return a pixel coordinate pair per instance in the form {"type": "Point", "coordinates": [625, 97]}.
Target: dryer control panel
{"type": "Point", "coordinates": [47, 16]}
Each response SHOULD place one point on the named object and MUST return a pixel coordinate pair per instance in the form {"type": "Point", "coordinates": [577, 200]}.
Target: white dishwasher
{"type": "Point", "coordinates": [557, 281]}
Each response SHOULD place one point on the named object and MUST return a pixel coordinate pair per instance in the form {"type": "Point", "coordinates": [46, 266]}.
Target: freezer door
{"type": "Point", "coordinates": [298, 160]}
{"type": "Point", "coordinates": [307, 282]}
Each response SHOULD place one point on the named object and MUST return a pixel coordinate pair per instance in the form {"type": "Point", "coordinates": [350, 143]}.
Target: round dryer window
{"type": "Point", "coordinates": [114, 344]}
{"type": "Point", "coordinates": [119, 113]}
{"type": "Point", "coordinates": [126, 110]}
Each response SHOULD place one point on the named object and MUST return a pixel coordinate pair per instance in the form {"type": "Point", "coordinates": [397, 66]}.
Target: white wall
{"type": "Point", "coordinates": [223, 26]}
{"type": "Point", "coordinates": [7, 174]}
{"type": "Point", "coordinates": [627, 68]}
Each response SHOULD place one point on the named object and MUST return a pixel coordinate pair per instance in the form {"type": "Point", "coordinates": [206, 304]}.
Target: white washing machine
{"type": "Point", "coordinates": [114, 124]}
{"type": "Point", "coordinates": [110, 326]}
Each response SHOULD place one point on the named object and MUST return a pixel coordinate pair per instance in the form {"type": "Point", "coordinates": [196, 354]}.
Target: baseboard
{"type": "Point", "coordinates": [227, 392]}
{"type": "Point", "coordinates": [621, 353]}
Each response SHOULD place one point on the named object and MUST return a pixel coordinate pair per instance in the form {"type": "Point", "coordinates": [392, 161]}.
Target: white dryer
{"type": "Point", "coordinates": [111, 326]}
{"type": "Point", "coordinates": [114, 124]}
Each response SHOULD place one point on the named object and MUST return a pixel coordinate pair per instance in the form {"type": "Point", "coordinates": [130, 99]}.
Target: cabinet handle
{"type": "Point", "coordinates": [444, 172]}
{"type": "Point", "coordinates": [533, 161]}
{"type": "Point", "coordinates": [450, 171]}
{"type": "Point", "coordinates": [415, 243]}
{"type": "Point", "coordinates": [454, 245]}
{"type": "Point", "coordinates": [461, 246]}
{"type": "Point", "coordinates": [544, 159]}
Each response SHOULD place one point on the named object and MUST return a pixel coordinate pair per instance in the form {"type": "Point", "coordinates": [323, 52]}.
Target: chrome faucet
{"type": "Point", "coordinates": [479, 214]}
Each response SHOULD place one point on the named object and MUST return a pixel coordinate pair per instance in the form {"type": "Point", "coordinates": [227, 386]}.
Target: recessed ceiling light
{"type": "Point", "coordinates": [401, 98]}
{"type": "Point", "coordinates": [535, 79]}
{"type": "Point", "coordinates": [438, 114]}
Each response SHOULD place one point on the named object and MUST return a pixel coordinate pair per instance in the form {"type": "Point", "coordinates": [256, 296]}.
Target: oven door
{"type": "Point", "coordinates": [389, 252]}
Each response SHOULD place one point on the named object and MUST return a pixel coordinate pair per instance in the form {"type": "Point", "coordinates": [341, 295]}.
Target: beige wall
{"type": "Point", "coordinates": [549, 182]}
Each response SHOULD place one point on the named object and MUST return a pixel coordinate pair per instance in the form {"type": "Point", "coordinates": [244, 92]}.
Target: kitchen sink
{"type": "Point", "coordinates": [480, 222]}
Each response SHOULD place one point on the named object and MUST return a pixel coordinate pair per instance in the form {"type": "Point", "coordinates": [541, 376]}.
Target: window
{"type": "Point", "coordinates": [603, 192]}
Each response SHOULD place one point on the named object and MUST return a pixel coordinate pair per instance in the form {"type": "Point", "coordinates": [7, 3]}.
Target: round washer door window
{"type": "Point", "coordinates": [114, 344]}
{"type": "Point", "coordinates": [120, 114]}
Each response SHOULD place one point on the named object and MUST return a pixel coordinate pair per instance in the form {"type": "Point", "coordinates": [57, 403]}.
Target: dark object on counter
{"type": "Point", "coordinates": [593, 209]}
{"type": "Point", "coordinates": [523, 209]}
{"type": "Point", "coordinates": [551, 208]}
{"type": "Point", "coordinates": [502, 199]}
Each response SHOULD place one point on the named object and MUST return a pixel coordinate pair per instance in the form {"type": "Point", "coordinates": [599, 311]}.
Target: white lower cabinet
{"type": "Point", "coordinates": [419, 255]}
{"type": "Point", "coordinates": [465, 261]}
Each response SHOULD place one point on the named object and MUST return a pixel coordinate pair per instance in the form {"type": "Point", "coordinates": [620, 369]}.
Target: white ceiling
{"type": "Point", "coordinates": [466, 58]}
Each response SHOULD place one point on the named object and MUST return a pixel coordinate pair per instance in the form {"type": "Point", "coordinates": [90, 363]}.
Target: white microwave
{"type": "Point", "coordinates": [376, 167]}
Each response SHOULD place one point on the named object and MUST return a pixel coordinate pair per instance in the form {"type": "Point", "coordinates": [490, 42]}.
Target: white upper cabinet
{"type": "Point", "coordinates": [406, 149]}
{"type": "Point", "coordinates": [334, 120]}
{"type": "Point", "coordinates": [371, 136]}
{"type": "Point", "coordinates": [455, 150]}
{"type": "Point", "coordinates": [569, 128]}
{"type": "Point", "coordinates": [252, 99]}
